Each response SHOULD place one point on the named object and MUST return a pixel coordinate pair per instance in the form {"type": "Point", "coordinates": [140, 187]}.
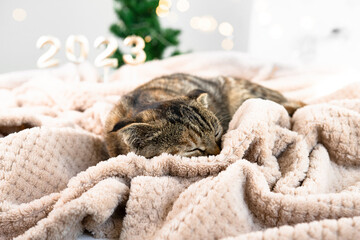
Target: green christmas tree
{"type": "Point", "coordinates": [138, 17]}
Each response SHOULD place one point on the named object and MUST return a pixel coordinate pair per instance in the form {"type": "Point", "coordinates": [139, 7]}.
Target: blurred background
{"type": "Point", "coordinates": [296, 32]}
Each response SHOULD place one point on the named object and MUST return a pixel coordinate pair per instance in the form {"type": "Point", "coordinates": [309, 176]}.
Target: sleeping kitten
{"type": "Point", "coordinates": [180, 114]}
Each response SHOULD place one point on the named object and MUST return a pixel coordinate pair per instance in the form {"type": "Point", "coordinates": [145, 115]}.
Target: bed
{"type": "Point", "coordinates": [277, 177]}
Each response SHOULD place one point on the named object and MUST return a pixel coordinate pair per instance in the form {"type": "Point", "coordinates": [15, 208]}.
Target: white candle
{"type": "Point", "coordinates": [70, 48]}
{"type": "Point", "coordinates": [46, 60]}
{"type": "Point", "coordinates": [137, 50]}
{"type": "Point", "coordinates": [103, 60]}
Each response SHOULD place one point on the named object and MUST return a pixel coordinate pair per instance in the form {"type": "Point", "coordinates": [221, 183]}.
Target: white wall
{"type": "Point", "coordinates": [236, 12]}
{"type": "Point", "coordinates": [59, 18]}
{"type": "Point", "coordinates": [92, 18]}
{"type": "Point", "coordinates": [302, 31]}
{"type": "Point", "coordinates": [291, 31]}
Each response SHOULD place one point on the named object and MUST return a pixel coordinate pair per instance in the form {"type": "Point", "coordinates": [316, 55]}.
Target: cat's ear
{"type": "Point", "coordinates": [200, 96]}
{"type": "Point", "coordinates": [135, 133]}
{"type": "Point", "coordinates": [203, 99]}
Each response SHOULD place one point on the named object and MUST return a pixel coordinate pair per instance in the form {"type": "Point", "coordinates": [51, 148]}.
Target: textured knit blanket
{"type": "Point", "coordinates": [276, 177]}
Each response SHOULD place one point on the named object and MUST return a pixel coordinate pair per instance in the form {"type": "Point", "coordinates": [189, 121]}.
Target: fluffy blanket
{"type": "Point", "coordinates": [276, 177]}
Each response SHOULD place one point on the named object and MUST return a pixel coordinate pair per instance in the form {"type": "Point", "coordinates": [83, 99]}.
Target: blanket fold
{"type": "Point", "coordinates": [276, 177]}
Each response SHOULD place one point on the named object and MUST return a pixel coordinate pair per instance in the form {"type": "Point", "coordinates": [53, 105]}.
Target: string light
{"type": "Point", "coordinates": [162, 11]}
{"type": "Point", "coordinates": [183, 5]}
{"type": "Point", "coordinates": [205, 23]}
{"type": "Point", "coordinates": [227, 44]}
{"type": "Point", "coordinates": [19, 14]}
{"type": "Point", "coordinates": [165, 3]}
{"type": "Point", "coordinates": [163, 8]}
{"type": "Point", "coordinates": [226, 29]}
{"type": "Point", "coordinates": [147, 38]}
{"type": "Point", "coordinates": [194, 22]}
{"type": "Point", "coordinates": [209, 23]}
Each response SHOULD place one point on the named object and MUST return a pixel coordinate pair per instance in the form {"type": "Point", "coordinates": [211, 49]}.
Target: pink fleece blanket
{"type": "Point", "coordinates": [276, 177]}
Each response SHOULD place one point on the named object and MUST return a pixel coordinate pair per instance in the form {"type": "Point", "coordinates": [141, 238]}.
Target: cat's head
{"type": "Point", "coordinates": [183, 126]}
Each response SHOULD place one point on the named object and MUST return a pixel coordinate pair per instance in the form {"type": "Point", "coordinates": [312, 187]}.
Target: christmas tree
{"type": "Point", "coordinates": [139, 17]}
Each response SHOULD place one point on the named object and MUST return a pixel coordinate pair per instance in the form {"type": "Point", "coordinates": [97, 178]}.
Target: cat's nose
{"type": "Point", "coordinates": [214, 150]}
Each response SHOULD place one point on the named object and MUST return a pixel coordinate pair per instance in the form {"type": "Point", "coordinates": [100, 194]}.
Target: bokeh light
{"type": "Point", "coordinates": [183, 5]}
{"type": "Point", "coordinates": [19, 14]}
{"type": "Point", "coordinates": [227, 44]}
{"type": "Point", "coordinates": [204, 23]}
{"type": "Point", "coordinates": [165, 3]}
{"type": "Point", "coordinates": [147, 38]}
{"type": "Point", "coordinates": [226, 29]}
{"type": "Point", "coordinates": [162, 11]}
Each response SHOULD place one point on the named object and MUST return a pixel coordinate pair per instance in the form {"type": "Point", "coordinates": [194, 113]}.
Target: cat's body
{"type": "Point", "coordinates": [180, 114]}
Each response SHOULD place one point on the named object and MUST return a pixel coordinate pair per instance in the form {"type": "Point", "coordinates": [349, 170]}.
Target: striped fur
{"type": "Point", "coordinates": [180, 114]}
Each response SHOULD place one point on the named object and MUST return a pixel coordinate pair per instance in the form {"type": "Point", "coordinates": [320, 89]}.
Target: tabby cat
{"type": "Point", "coordinates": [180, 114]}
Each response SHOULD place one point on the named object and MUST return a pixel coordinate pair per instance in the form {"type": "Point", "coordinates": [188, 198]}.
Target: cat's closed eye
{"type": "Point", "coordinates": [197, 150]}
{"type": "Point", "coordinates": [120, 125]}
